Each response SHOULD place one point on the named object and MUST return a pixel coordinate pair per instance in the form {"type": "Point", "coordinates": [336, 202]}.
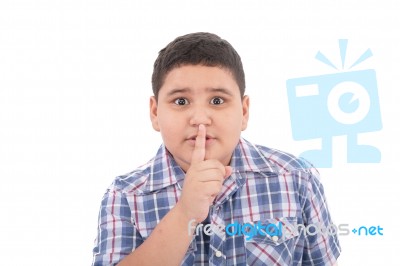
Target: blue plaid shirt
{"type": "Point", "coordinates": [266, 187]}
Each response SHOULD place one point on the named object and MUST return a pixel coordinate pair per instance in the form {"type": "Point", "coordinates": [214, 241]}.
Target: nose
{"type": "Point", "coordinates": [200, 115]}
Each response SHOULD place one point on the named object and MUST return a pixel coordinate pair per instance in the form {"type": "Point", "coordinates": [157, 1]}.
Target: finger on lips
{"type": "Point", "coordinates": [199, 152]}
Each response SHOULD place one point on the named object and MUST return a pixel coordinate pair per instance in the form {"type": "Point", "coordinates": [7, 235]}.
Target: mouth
{"type": "Point", "coordinates": [193, 138]}
{"type": "Point", "coordinates": [209, 140]}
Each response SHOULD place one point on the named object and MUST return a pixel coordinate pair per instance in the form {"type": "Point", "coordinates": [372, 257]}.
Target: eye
{"type": "Point", "coordinates": [217, 100]}
{"type": "Point", "coordinates": [181, 101]}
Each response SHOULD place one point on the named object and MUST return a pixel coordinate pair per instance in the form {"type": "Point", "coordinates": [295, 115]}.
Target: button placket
{"type": "Point", "coordinates": [217, 256]}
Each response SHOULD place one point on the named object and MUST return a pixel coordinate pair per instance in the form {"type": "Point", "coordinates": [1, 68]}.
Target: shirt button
{"type": "Point", "coordinates": [275, 238]}
{"type": "Point", "coordinates": [218, 253]}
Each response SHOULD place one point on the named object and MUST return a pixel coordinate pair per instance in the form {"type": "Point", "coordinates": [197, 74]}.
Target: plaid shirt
{"type": "Point", "coordinates": [266, 186]}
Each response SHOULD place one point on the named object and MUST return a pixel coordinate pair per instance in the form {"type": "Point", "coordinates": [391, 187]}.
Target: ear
{"type": "Point", "coordinates": [154, 113]}
{"type": "Point", "coordinates": [245, 110]}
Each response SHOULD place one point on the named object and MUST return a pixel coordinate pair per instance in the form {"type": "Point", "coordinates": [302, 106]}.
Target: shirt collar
{"type": "Point", "coordinates": [246, 157]}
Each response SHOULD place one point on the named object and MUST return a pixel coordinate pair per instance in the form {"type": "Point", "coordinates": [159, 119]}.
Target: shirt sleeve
{"type": "Point", "coordinates": [116, 233]}
{"type": "Point", "coordinates": [321, 246]}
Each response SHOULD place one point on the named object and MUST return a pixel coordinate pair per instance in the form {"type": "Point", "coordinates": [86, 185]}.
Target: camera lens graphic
{"type": "Point", "coordinates": [348, 102]}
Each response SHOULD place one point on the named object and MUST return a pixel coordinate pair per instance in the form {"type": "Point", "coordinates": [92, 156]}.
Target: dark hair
{"type": "Point", "coordinates": [201, 48]}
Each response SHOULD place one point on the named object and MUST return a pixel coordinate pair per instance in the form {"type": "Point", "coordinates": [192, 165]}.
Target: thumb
{"type": "Point", "coordinates": [228, 171]}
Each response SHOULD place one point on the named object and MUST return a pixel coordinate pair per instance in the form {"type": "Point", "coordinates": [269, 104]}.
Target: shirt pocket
{"type": "Point", "coordinates": [274, 243]}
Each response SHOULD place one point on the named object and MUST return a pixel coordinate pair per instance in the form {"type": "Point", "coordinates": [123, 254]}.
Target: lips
{"type": "Point", "coordinates": [195, 136]}
{"type": "Point", "coordinates": [209, 140]}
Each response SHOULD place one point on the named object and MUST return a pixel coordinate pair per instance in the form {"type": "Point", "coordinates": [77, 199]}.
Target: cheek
{"type": "Point", "coordinates": [229, 132]}
{"type": "Point", "coordinates": [171, 129]}
{"type": "Point", "coordinates": [232, 123]}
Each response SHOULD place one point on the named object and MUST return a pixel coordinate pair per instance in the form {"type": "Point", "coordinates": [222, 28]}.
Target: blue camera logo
{"type": "Point", "coordinates": [344, 103]}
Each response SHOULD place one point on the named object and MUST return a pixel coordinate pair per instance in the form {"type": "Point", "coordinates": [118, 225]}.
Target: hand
{"type": "Point", "coordinates": [203, 181]}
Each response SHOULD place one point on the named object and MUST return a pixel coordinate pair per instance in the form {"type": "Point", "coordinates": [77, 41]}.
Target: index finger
{"type": "Point", "coordinates": [199, 152]}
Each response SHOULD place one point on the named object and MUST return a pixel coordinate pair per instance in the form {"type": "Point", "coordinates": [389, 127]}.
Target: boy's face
{"type": "Point", "coordinates": [193, 95]}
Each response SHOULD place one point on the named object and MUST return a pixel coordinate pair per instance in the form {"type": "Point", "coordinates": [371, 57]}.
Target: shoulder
{"type": "Point", "coordinates": [290, 169]}
{"type": "Point", "coordinates": [157, 174]}
{"type": "Point", "coordinates": [134, 181]}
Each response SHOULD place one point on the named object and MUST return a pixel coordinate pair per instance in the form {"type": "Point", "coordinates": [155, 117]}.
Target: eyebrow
{"type": "Point", "coordinates": [178, 91]}
{"type": "Point", "coordinates": [188, 90]}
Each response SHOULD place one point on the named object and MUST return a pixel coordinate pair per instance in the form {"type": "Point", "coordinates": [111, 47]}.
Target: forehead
{"type": "Point", "coordinates": [199, 79]}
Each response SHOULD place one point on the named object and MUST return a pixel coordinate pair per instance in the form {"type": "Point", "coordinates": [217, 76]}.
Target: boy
{"type": "Point", "coordinates": [205, 174]}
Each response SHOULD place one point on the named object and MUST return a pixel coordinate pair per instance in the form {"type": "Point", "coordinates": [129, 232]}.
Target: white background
{"type": "Point", "coordinates": [74, 88]}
